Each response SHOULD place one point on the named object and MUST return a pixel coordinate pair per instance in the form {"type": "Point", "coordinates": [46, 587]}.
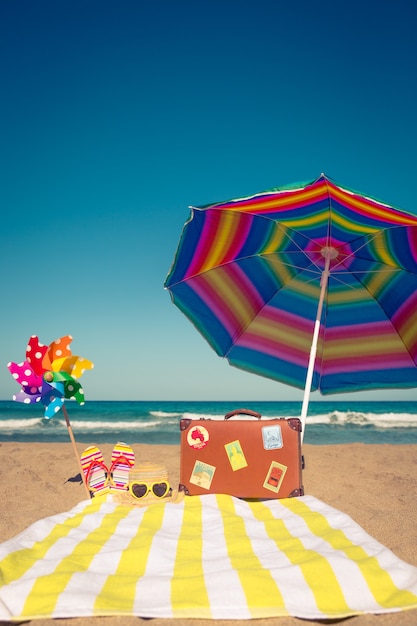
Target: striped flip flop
{"type": "Point", "coordinates": [122, 460]}
{"type": "Point", "coordinates": [95, 471]}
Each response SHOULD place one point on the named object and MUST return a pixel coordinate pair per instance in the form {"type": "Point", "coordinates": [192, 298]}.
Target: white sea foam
{"type": "Point", "coordinates": [104, 426]}
{"type": "Point", "coordinates": [12, 424]}
{"type": "Point", "coordinates": [378, 420]}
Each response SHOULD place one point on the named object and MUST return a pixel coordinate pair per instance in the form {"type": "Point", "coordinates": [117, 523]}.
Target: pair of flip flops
{"type": "Point", "coordinates": [100, 478]}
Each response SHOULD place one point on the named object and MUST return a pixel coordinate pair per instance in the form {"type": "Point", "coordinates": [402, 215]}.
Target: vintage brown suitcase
{"type": "Point", "coordinates": [246, 458]}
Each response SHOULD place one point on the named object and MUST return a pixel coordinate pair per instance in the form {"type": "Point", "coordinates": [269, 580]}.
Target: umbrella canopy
{"type": "Point", "coordinates": [312, 285]}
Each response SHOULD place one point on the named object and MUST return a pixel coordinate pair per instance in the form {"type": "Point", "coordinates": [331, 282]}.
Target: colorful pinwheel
{"type": "Point", "coordinates": [49, 374]}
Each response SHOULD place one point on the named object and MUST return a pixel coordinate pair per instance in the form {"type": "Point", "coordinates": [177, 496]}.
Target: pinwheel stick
{"type": "Point", "coordinates": [69, 428]}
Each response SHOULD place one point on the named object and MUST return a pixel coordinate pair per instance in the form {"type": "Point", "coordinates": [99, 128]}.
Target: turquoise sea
{"type": "Point", "coordinates": [157, 422]}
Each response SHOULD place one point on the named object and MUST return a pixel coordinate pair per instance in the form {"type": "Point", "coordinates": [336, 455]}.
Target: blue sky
{"type": "Point", "coordinates": [116, 116]}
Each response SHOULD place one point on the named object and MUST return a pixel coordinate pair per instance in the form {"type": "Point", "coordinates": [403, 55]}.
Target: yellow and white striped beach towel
{"type": "Point", "coordinates": [212, 556]}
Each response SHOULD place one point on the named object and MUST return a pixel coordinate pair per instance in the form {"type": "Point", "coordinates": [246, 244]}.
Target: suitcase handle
{"type": "Point", "coordinates": [243, 412]}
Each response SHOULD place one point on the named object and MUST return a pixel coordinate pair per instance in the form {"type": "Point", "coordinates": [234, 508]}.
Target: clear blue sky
{"type": "Point", "coordinates": [118, 115]}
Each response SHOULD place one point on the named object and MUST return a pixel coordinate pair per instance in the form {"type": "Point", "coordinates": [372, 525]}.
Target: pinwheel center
{"type": "Point", "coordinates": [48, 376]}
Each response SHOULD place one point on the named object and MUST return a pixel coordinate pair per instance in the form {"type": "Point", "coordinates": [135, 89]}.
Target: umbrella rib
{"type": "Point", "coordinates": [329, 220]}
{"type": "Point", "coordinates": [378, 303]}
{"type": "Point", "coordinates": [370, 237]}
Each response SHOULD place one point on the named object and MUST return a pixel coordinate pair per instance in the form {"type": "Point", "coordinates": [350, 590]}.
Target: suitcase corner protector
{"type": "Point", "coordinates": [295, 423]}
{"type": "Point", "coordinates": [185, 423]}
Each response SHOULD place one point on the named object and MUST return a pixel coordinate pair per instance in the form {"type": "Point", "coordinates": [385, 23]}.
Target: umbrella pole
{"type": "Point", "coordinates": [74, 447]}
{"type": "Point", "coordinates": [328, 254]}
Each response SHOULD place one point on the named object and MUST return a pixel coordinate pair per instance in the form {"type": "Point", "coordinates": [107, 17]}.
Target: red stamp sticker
{"type": "Point", "coordinates": [198, 437]}
{"type": "Point", "coordinates": [275, 476]}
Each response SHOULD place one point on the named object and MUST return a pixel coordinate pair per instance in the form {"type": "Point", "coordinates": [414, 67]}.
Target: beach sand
{"type": "Point", "coordinates": [375, 484]}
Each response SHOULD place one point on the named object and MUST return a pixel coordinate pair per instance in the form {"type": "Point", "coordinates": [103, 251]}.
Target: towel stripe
{"type": "Point", "coordinates": [309, 561]}
{"type": "Point", "coordinates": [261, 591]}
{"type": "Point", "coordinates": [16, 564]}
{"type": "Point", "coordinates": [188, 571]}
{"type": "Point", "coordinates": [132, 565]}
{"type": "Point", "coordinates": [287, 577]}
{"type": "Point", "coordinates": [83, 554]}
{"type": "Point", "coordinates": [380, 583]}
{"type": "Point", "coordinates": [83, 585]}
{"type": "Point", "coordinates": [225, 591]}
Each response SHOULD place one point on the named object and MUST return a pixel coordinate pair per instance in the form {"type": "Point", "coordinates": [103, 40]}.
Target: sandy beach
{"type": "Point", "coordinates": [375, 484]}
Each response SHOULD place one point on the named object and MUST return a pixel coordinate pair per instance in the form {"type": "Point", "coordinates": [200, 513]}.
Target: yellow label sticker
{"type": "Point", "coordinates": [275, 476]}
{"type": "Point", "coordinates": [235, 455]}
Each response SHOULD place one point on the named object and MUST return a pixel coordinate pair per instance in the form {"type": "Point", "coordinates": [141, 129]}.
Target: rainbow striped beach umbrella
{"type": "Point", "coordinates": [312, 285]}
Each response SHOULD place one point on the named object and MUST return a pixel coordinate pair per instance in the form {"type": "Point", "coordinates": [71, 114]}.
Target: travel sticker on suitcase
{"type": "Point", "coordinates": [202, 474]}
{"type": "Point", "coordinates": [235, 455]}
